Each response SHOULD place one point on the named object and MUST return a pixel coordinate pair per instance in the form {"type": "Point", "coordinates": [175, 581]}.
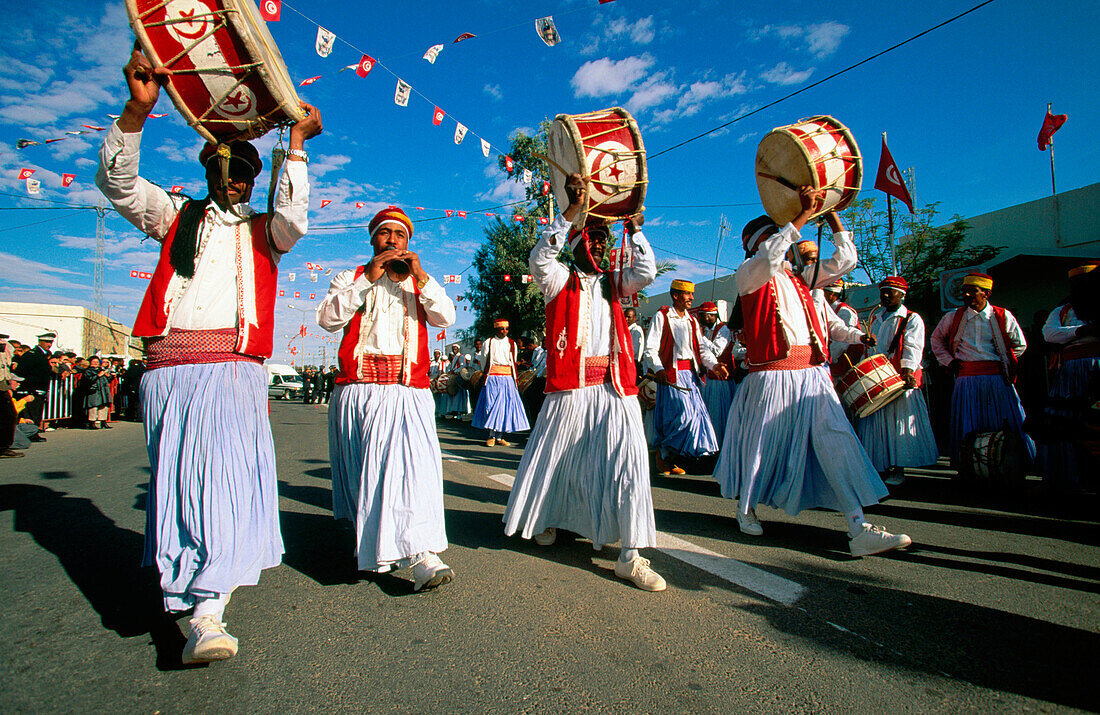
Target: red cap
{"type": "Point", "coordinates": [708, 307]}
{"type": "Point", "coordinates": [895, 282]}
{"type": "Point", "coordinates": [391, 215]}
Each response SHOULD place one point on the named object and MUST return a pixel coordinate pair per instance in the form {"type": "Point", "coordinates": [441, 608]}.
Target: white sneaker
{"type": "Point", "coordinates": [875, 539]}
{"type": "Point", "coordinates": [749, 524]}
{"type": "Point", "coordinates": [547, 538]}
{"type": "Point", "coordinates": [208, 641]}
{"type": "Point", "coordinates": [430, 572]}
{"type": "Point", "coordinates": [638, 572]}
{"type": "Point", "coordinates": [49, 429]}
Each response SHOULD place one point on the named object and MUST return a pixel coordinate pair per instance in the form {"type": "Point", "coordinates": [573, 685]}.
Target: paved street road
{"type": "Point", "coordinates": [994, 607]}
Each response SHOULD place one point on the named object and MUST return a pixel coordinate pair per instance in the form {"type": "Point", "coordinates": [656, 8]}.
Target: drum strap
{"type": "Point", "coordinates": [896, 342]}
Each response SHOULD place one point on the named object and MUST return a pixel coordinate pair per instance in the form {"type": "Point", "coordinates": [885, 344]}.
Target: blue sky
{"type": "Point", "coordinates": [962, 106]}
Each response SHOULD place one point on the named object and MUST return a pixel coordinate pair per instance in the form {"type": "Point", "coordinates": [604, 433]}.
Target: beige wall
{"type": "Point", "coordinates": [78, 329]}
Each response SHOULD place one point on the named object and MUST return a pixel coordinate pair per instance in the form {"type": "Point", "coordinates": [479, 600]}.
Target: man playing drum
{"type": "Point", "coordinates": [899, 435]}
{"type": "Point", "coordinates": [208, 318]}
{"type": "Point", "coordinates": [387, 469]}
{"type": "Point", "coordinates": [499, 407]}
{"type": "Point", "coordinates": [717, 394]}
{"type": "Point", "coordinates": [981, 343]}
{"type": "Point", "coordinates": [788, 443]}
{"type": "Point", "coordinates": [585, 468]}
{"type": "Point", "coordinates": [437, 369]}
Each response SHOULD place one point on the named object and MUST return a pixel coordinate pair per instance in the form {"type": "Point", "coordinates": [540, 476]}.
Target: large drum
{"type": "Point", "coordinates": [818, 152]}
{"type": "Point", "coordinates": [605, 146]}
{"type": "Point", "coordinates": [228, 79]}
{"type": "Point", "coordinates": [870, 385]}
{"type": "Point", "coordinates": [647, 392]}
{"type": "Point", "coordinates": [524, 380]}
{"type": "Point", "coordinates": [989, 457]}
{"type": "Point", "coordinates": [440, 383]}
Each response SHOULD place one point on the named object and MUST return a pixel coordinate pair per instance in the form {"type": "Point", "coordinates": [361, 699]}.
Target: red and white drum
{"type": "Point", "coordinates": [228, 78]}
{"type": "Point", "coordinates": [647, 392]}
{"type": "Point", "coordinates": [605, 146]}
{"type": "Point", "coordinates": [993, 457]}
{"type": "Point", "coordinates": [870, 385]}
{"type": "Point", "coordinates": [819, 152]}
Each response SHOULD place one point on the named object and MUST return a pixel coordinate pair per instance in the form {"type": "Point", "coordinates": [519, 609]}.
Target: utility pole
{"type": "Point", "coordinates": [722, 228]}
{"type": "Point", "coordinates": [99, 304]}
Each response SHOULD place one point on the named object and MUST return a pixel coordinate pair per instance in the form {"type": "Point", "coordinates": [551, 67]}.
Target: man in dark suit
{"type": "Point", "coordinates": [33, 367]}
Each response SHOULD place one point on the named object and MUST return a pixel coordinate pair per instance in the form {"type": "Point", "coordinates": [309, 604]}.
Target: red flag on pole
{"type": "Point", "coordinates": [302, 331]}
{"type": "Point", "coordinates": [366, 64]}
{"type": "Point", "coordinates": [271, 9]}
{"type": "Point", "coordinates": [1051, 124]}
{"type": "Point", "coordinates": [889, 178]}
{"type": "Point", "coordinates": [442, 335]}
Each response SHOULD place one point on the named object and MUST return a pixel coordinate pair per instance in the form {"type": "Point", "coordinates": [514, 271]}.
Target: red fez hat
{"type": "Point", "coordinates": [237, 150]}
{"type": "Point", "coordinates": [391, 215]}
{"type": "Point", "coordinates": [895, 282]}
{"type": "Point", "coordinates": [755, 231]}
{"type": "Point", "coordinates": [500, 323]}
{"type": "Point", "coordinates": [708, 307]}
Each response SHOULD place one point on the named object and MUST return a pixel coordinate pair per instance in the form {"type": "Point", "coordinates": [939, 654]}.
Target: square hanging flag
{"type": "Point", "coordinates": [26, 173]}
{"type": "Point", "coordinates": [309, 266]}
{"type": "Point", "coordinates": [67, 179]}
{"type": "Point", "coordinates": [507, 278]}
{"type": "Point", "coordinates": [313, 277]}
{"type": "Point", "coordinates": [313, 296]}
{"type": "Point", "coordinates": [527, 176]}
{"type": "Point", "coordinates": [282, 293]}
{"type": "Point", "coordinates": [366, 64]}
{"type": "Point", "coordinates": [133, 274]}
{"type": "Point", "coordinates": [432, 53]}
{"type": "Point", "coordinates": [1051, 124]}
{"type": "Point", "coordinates": [464, 36]}
{"type": "Point", "coordinates": [297, 294]}
{"type": "Point", "coordinates": [485, 148]}
{"type": "Point", "coordinates": [437, 116]}
{"type": "Point", "coordinates": [271, 9]}
{"type": "Point", "coordinates": [545, 188]}
{"type": "Point", "coordinates": [462, 214]}
{"type": "Point", "coordinates": [460, 132]}
{"type": "Point", "coordinates": [401, 96]}
{"type": "Point", "coordinates": [547, 32]}
{"type": "Point", "coordinates": [517, 218]}
{"type": "Point", "coordinates": [325, 40]}
{"type": "Point", "coordinates": [527, 278]}
{"type": "Point", "coordinates": [290, 276]}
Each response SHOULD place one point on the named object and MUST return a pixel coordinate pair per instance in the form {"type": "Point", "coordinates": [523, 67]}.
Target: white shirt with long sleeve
{"type": "Point", "coordinates": [681, 327]}
{"type": "Point", "coordinates": [637, 339]}
{"type": "Point", "coordinates": [840, 332]}
{"type": "Point", "coordinates": [849, 317]}
{"type": "Point", "coordinates": [384, 301]}
{"type": "Point", "coordinates": [884, 325]}
{"type": "Point", "coordinates": [208, 301]}
{"type": "Point", "coordinates": [770, 261]}
{"type": "Point", "coordinates": [538, 361]}
{"type": "Point", "coordinates": [717, 338]}
{"type": "Point", "coordinates": [975, 340]}
{"type": "Point", "coordinates": [497, 351]}
{"type": "Point", "coordinates": [1060, 332]}
{"type": "Point", "coordinates": [551, 275]}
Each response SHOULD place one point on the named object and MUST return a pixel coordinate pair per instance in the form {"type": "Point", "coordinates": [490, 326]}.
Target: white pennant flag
{"type": "Point", "coordinates": [527, 176]}
{"type": "Point", "coordinates": [547, 32]}
{"type": "Point", "coordinates": [325, 40]}
{"type": "Point", "coordinates": [460, 133]}
{"type": "Point", "coordinates": [485, 148]}
{"type": "Point", "coordinates": [312, 277]}
{"type": "Point", "coordinates": [34, 186]}
{"type": "Point", "coordinates": [432, 53]}
{"type": "Point", "coordinates": [401, 97]}
{"type": "Point", "coordinates": [290, 277]}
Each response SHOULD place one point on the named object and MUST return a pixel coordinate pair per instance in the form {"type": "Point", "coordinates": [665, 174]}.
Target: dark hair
{"type": "Point", "coordinates": [185, 245]}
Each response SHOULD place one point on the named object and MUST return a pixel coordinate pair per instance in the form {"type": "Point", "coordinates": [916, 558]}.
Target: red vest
{"type": "Point", "coordinates": [414, 367]}
{"type": "Point", "coordinates": [667, 348]}
{"type": "Point", "coordinates": [564, 361]}
{"type": "Point", "coordinates": [255, 328]}
{"type": "Point", "coordinates": [1008, 358]}
{"type": "Point", "coordinates": [765, 341]}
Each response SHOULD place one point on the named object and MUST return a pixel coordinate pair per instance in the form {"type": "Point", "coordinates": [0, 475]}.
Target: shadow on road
{"type": "Point", "coordinates": [102, 561]}
{"type": "Point", "coordinates": [1006, 523]}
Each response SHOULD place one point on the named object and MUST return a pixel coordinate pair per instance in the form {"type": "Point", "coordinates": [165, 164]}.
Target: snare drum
{"type": "Point", "coordinates": [228, 79]}
{"type": "Point", "coordinates": [605, 146]}
{"type": "Point", "coordinates": [524, 380]}
{"type": "Point", "coordinates": [439, 385]}
{"type": "Point", "coordinates": [992, 457]}
{"type": "Point", "coordinates": [647, 392]}
{"type": "Point", "coordinates": [870, 385]}
{"type": "Point", "coordinates": [819, 152]}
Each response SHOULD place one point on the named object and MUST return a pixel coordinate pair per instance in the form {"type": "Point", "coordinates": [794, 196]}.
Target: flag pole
{"type": "Point", "coordinates": [890, 224]}
{"type": "Point", "coordinates": [1054, 188]}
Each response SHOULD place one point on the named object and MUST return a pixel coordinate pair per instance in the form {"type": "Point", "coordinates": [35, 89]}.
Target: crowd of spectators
{"type": "Point", "coordinates": [86, 392]}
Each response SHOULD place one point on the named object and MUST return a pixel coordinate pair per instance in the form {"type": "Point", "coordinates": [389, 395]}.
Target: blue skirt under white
{"type": "Point", "coordinates": [499, 408]}
{"type": "Point", "coordinates": [1061, 460]}
{"type": "Point", "coordinates": [586, 470]}
{"type": "Point", "coordinates": [717, 396]}
{"type": "Point", "coordinates": [899, 434]}
{"type": "Point", "coordinates": [387, 471]}
{"type": "Point", "coordinates": [212, 514]}
{"type": "Point", "coordinates": [680, 420]}
{"type": "Point", "coordinates": [984, 403]}
{"type": "Point", "coordinates": [458, 402]}
{"type": "Point", "coordinates": [789, 445]}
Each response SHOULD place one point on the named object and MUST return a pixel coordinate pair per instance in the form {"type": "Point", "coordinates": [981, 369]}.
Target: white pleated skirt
{"type": "Point", "coordinates": [899, 434]}
{"type": "Point", "coordinates": [387, 471]}
{"type": "Point", "coordinates": [585, 469]}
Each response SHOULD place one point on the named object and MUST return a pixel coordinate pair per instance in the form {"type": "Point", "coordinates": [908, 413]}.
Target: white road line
{"type": "Point", "coordinates": [454, 457]}
{"type": "Point", "coordinates": [729, 569]}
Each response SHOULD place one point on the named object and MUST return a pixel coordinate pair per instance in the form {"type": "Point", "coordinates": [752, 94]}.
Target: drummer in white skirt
{"type": "Point", "coordinates": [387, 470]}
{"type": "Point", "coordinates": [586, 466]}
{"type": "Point", "coordinates": [788, 443]}
{"type": "Point", "coordinates": [899, 435]}
{"type": "Point", "coordinates": [717, 394]}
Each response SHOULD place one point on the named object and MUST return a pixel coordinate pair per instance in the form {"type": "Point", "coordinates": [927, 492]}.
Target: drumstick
{"type": "Point", "coordinates": [551, 162]}
{"type": "Point", "coordinates": [779, 180]}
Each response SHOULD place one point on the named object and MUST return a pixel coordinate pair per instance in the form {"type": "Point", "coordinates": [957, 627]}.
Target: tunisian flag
{"type": "Point", "coordinates": [271, 9]}
{"type": "Point", "coordinates": [889, 178]}
{"type": "Point", "coordinates": [1051, 124]}
{"type": "Point", "coordinates": [442, 335]}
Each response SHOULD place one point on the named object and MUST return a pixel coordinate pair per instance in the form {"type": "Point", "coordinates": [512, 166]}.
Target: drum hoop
{"type": "Point", "coordinates": [629, 123]}
{"type": "Point", "coordinates": [230, 15]}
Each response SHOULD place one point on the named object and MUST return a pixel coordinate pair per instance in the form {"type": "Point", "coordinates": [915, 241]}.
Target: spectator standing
{"type": "Point", "coordinates": [307, 386]}
{"type": "Point", "coordinates": [97, 393]}
{"type": "Point", "coordinates": [33, 366]}
{"type": "Point", "coordinates": [330, 382]}
{"type": "Point", "coordinates": [319, 387]}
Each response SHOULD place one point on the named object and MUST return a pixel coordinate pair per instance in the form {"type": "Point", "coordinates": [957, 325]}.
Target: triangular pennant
{"type": "Point", "coordinates": [485, 148]}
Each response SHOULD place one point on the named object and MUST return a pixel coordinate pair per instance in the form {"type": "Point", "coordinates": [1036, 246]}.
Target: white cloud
{"type": "Point", "coordinates": [493, 90]}
{"type": "Point", "coordinates": [701, 93]}
{"type": "Point", "coordinates": [324, 164]}
{"type": "Point", "coordinates": [651, 93]}
{"type": "Point", "coordinates": [822, 39]}
{"type": "Point", "coordinates": [602, 77]}
{"type": "Point", "coordinates": [784, 74]}
{"type": "Point", "coordinates": [640, 32]}
{"type": "Point", "coordinates": [22, 271]}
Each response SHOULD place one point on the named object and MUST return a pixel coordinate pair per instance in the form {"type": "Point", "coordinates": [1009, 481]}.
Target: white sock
{"type": "Point", "coordinates": [855, 520]}
{"type": "Point", "coordinates": [627, 555]}
{"type": "Point", "coordinates": [211, 606]}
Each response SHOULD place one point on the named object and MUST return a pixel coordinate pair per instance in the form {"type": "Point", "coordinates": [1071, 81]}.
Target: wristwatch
{"type": "Point", "coordinates": [298, 153]}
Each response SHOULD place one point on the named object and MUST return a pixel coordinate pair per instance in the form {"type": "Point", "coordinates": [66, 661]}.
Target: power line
{"type": "Point", "coordinates": [54, 218]}
{"type": "Point", "coordinates": [821, 81]}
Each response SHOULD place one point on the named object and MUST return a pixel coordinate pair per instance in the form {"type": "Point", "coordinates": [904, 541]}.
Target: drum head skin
{"type": "Point", "coordinates": [231, 82]}
{"type": "Point", "coordinates": [870, 385]}
{"type": "Point", "coordinates": [607, 147]}
{"type": "Point", "coordinates": [819, 152]}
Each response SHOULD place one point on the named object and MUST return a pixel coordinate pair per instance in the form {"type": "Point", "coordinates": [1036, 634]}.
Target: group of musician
{"type": "Point", "coordinates": [762, 400]}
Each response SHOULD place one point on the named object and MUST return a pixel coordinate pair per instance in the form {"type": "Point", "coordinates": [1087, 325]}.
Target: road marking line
{"type": "Point", "coordinates": [729, 569]}
{"type": "Point", "coordinates": [454, 457]}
